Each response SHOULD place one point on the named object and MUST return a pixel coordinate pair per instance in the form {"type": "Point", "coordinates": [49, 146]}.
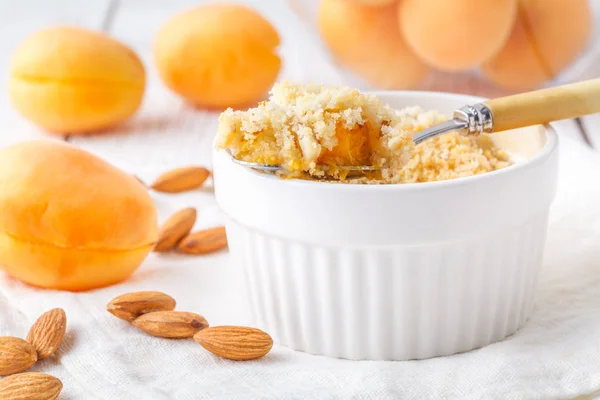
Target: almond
{"type": "Point", "coordinates": [175, 228]}
{"type": "Point", "coordinates": [30, 386]}
{"type": "Point", "coordinates": [16, 355]}
{"type": "Point", "coordinates": [204, 242]}
{"type": "Point", "coordinates": [47, 333]}
{"type": "Point", "coordinates": [181, 179]}
{"type": "Point", "coordinates": [131, 305]}
{"type": "Point", "coordinates": [235, 342]}
{"type": "Point", "coordinates": [171, 324]}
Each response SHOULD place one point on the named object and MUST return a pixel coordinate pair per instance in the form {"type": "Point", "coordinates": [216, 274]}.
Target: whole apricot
{"type": "Point", "coordinates": [69, 220]}
{"type": "Point", "coordinates": [74, 80]}
{"type": "Point", "coordinates": [454, 35]}
{"type": "Point", "coordinates": [548, 36]}
{"type": "Point", "coordinates": [366, 40]}
{"type": "Point", "coordinates": [218, 55]}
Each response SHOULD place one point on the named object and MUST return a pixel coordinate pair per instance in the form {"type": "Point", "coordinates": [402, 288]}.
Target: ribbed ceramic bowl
{"type": "Point", "coordinates": [393, 272]}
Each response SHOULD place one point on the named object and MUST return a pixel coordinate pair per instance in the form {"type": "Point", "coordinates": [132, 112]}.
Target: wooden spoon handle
{"type": "Point", "coordinates": [545, 105]}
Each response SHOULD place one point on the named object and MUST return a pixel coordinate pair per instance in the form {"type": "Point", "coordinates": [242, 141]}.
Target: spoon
{"type": "Point", "coordinates": [501, 114]}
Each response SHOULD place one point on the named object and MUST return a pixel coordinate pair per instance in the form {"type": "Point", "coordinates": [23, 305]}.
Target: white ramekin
{"type": "Point", "coordinates": [393, 272]}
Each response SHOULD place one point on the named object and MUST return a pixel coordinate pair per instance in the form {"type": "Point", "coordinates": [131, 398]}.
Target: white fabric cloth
{"type": "Point", "coordinates": [555, 356]}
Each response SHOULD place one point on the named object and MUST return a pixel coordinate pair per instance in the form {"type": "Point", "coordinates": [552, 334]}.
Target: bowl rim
{"type": "Point", "coordinates": [543, 154]}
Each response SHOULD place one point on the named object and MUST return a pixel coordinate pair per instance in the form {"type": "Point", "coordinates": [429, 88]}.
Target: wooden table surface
{"type": "Point", "coordinates": [166, 132]}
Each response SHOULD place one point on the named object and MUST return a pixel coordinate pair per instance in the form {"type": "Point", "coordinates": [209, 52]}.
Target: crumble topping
{"type": "Point", "coordinates": [448, 156]}
{"type": "Point", "coordinates": [305, 128]}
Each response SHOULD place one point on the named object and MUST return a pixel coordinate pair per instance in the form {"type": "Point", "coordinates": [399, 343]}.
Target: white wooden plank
{"type": "Point", "coordinates": [18, 19]}
{"type": "Point", "coordinates": [307, 11]}
{"type": "Point", "coordinates": [166, 132]}
{"type": "Point", "coordinates": [568, 128]}
{"type": "Point", "coordinates": [591, 124]}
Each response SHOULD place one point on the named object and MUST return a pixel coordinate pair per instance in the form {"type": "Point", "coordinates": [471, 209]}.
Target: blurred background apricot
{"type": "Point", "coordinates": [70, 220]}
{"type": "Point", "coordinates": [366, 40]}
{"type": "Point", "coordinates": [454, 35]}
{"type": "Point", "coordinates": [548, 36]}
{"type": "Point", "coordinates": [218, 55]}
{"type": "Point", "coordinates": [72, 80]}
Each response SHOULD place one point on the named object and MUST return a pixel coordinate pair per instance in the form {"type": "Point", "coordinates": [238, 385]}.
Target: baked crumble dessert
{"type": "Point", "coordinates": [305, 128]}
